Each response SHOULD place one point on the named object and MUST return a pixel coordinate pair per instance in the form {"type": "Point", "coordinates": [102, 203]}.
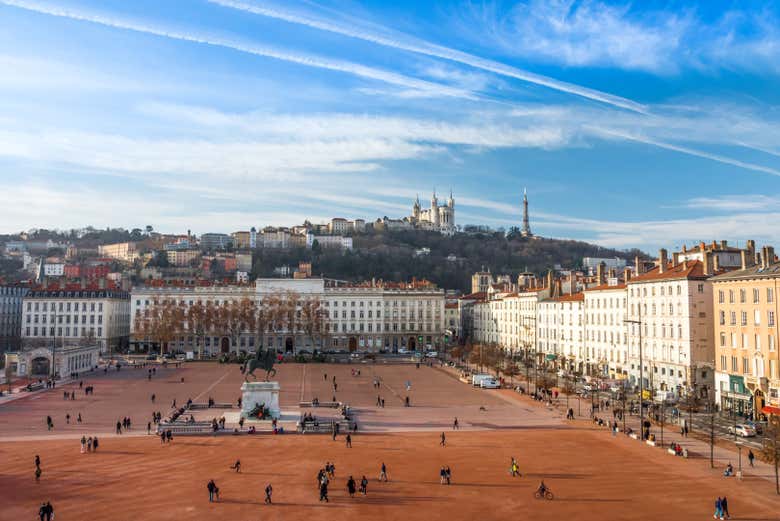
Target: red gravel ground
{"type": "Point", "coordinates": [593, 475]}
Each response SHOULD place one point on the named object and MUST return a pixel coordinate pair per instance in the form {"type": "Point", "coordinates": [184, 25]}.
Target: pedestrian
{"type": "Point", "coordinates": [455, 425]}
{"type": "Point", "coordinates": [237, 466]}
{"type": "Point", "coordinates": [148, 427]}
{"type": "Point", "coordinates": [94, 444]}
{"type": "Point", "coordinates": [364, 485]}
{"type": "Point", "coordinates": [326, 377]}
{"type": "Point", "coordinates": [383, 472]}
{"type": "Point", "coordinates": [751, 457]}
{"type": "Point", "coordinates": [349, 441]}
{"type": "Point", "coordinates": [37, 473]}
{"type": "Point", "coordinates": [89, 444]}
{"type": "Point", "coordinates": [443, 442]}
{"type": "Point", "coordinates": [724, 507]}
{"type": "Point", "coordinates": [268, 491]}
{"type": "Point", "coordinates": [49, 423]}
{"type": "Point", "coordinates": [42, 512]}
{"type": "Point", "coordinates": [442, 476]}
{"type": "Point", "coordinates": [448, 474]}
{"type": "Point", "coordinates": [119, 427]}
{"type": "Point", "coordinates": [67, 418]}
{"type": "Point", "coordinates": [351, 486]}
{"type": "Point", "coordinates": [153, 397]}
{"type": "Point", "coordinates": [212, 488]}
{"type": "Point", "coordinates": [169, 435]}
{"type": "Point", "coordinates": [162, 437]}
{"type": "Point", "coordinates": [514, 469]}
{"type": "Point", "coordinates": [78, 419]}
{"type": "Point", "coordinates": [718, 509]}
{"type": "Point", "coordinates": [37, 460]}
{"type": "Point", "coordinates": [324, 491]}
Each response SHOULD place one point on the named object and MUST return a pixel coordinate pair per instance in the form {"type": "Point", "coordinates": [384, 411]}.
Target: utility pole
{"type": "Point", "coordinates": [638, 322]}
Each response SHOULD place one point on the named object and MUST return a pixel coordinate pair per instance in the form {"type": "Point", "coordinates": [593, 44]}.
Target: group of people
{"type": "Point", "coordinates": [166, 436]}
{"type": "Point", "coordinates": [88, 444]}
{"type": "Point", "coordinates": [125, 424]}
{"type": "Point", "coordinates": [328, 473]}
{"type": "Point", "coordinates": [445, 475]}
{"type": "Point", "coordinates": [721, 508]}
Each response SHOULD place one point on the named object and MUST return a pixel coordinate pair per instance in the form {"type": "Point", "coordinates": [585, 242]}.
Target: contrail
{"type": "Point", "coordinates": [412, 44]}
{"type": "Point", "coordinates": [267, 52]}
{"type": "Point", "coordinates": [685, 150]}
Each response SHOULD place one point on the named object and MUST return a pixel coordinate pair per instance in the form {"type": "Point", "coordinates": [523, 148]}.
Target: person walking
{"type": "Point", "coordinates": [447, 474]}
{"type": "Point", "coordinates": [94, 444]}
{"type": "Point", "coordinates": [42, 512]}
{"type": "Point", "coordinates": [514, 469]}
{"type": "Point", "coordinates": [78, 419]}
{"type": "Point", "coordinates": [443, 442]}
{"type": "Point", "coordinates": [236, 466]}
{"type": "Point", "coordinates": [268, 491]}
{"type": "Point", "coordinates": [349, 441]}
{"type": "Point", "coordinates": [364, 485]}
{"type": "Point", "coordinates": [67, 418]}
{"type": "Point", "coordinates": [49, 511]}
{"type": "Point", "coordinates": [383, 472]}
{"type": "Point", "coordinates": [49, 423]}
{"type": "Point", "coordinates": [38, 470]}
{"type": "Point", "coordinates": [119, 427]}
{"type": "Point", "coordinates": [724, 508]}
{"type": "Point", "coordinates": [212, 488]}
{"type": "Point", "coordinates": [455, 425]}
{"type": "Point", "coordinates": [718, 509]}
{"type": "Point", "coordinates": [751, 457]}
{"type": "Point", "coordinates": [442, 476]}
{"type": "Point", "coordinates": [351, 486]}
{"type": "Point", "coordinates": [83, 444]}
{"type": "Point", "coordinates": [324, 491]}
{"type": "Point", "coordinates": [148, 427]}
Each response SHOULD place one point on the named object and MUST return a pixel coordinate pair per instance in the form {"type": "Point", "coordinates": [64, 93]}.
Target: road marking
{"type": "Point", "coordinates": [303, 382]}
{"type": "Point", "coordinates": [211, 386]}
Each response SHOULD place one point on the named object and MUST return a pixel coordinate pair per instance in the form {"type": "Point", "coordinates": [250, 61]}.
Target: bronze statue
{"type": "Point", "coordinates": [264, 358]}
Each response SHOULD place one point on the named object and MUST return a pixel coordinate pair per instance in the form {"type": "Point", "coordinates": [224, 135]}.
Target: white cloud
{"type": "Point", "coordinates": [382, 36]}
{"type": "Point", "coordinates": [730, 203]}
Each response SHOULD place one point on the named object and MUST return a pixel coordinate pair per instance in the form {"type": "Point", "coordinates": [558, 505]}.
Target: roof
{"type": "Point", "coordinates": [451, 305]}
{"type": "Point", "coordinates": [753, 272]}
{"type": "Point", "coordinates": [693, 269]}
{"type": "Point", "coordinates": [576, 297]}
{"type": "Point", "coordinates": [479, 295]}
{"type": "Point", "coordinates": [606, 287]}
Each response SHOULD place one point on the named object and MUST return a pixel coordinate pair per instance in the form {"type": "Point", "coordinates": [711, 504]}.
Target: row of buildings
{"type": "Point", "coordinates": [699, 323]}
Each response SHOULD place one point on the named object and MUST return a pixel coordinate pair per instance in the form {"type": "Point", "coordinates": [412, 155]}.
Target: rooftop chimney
{"type": "Point", "coordinates": [764, 255]}
{"type": "Point", "coordinates": [715, 263]}
{"type": "Point", "coordinates": [612, 273]}
{"type": "Point", "coordinates": [675, 259]}
{"type": "Point", "coordinates": [770, 256]}
{"type": "Point", "coordinates": [743, 259]}
{"type": "Point", "coordinates": [638, 266]}
{"type": "Point", "coordinates": [724, 244]}
{"type": "Point", "coordinates": [662, 260]}
{"type": "Point", "coordinates": [707, 263]}
{"type": "Point", "coordinates": [702, 246]}
{"type": "Point", "coordinates": [684, 249]}
{"type": "Point", "coordinates": [751, 247]}
{"type": "Point", "coordinates": [600, 273]}
{"type": "Point", "coordinates": [627, 273]}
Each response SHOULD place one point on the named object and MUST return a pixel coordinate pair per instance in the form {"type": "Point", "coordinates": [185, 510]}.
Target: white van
{"type": "Point", "coordinates": [490, 383]}
{"type": "Point", "coordinates": [476, 379]}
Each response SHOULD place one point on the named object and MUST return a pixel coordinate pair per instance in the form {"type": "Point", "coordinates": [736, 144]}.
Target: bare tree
{"type": "Point", "coordinates": [311, 319]}
{"type": "Point", "coordinates": [200, 319]}
{"type": "Point", "coordinates": [771, 446]}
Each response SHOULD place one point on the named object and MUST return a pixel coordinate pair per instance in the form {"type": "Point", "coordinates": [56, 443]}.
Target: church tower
{"type": "Point", "coordinates": [434, 211]}
{"type": "Point", "coordinates": [416, 209]}
{"type": "Point", "coordinates": [526, 231]}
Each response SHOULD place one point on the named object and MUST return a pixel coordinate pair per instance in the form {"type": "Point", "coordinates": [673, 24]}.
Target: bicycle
{"type": "Point", "coordinates": [547, 494]}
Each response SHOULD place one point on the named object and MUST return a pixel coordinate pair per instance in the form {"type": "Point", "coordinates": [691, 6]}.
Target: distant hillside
{"type": "Point", "coordinates": [391, 256]}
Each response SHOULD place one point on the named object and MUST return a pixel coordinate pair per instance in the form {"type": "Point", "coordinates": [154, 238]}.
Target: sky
{"type": "Point", "coordinates": [645, 124]}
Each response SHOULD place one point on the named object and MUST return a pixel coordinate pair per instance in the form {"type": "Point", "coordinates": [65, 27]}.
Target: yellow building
{"type": "Point", "coordinates": [747, 377]}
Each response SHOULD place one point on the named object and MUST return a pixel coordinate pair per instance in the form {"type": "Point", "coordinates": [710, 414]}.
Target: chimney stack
{"type": "Point", "coordinates": [549, 280]}
{"type": "Point", "coordinates": [638, 266]}
{"type": "Point", "coordinates": [715, 263]}
{"type": "Point", "coordinates": [675, 258]}
{"type": "Point", "coordinates": [724, 244]}
{"type": "Point", "coordinates": [626, 273]}
{"type": "Point", "coordinates": [702, 246]}
{"type": "Point", "coordinates": [770, 256]}
{"type": "Point", "coordinates": [684, 249]}
{"type": "Point", "coordinates": [764, 255]}
{"type": "Point", "coordinates": [612, 273]}
{"type": "Point", "coordinates": [662, 260]}
{"type": "Point", "coordinates": [751, 247]}
{"type": "Point", "coordinates": [743, 259]}
{"type": "Point", "coordinates": [600, 273]}
{"type": "Point", "coordinates": [707, 263]}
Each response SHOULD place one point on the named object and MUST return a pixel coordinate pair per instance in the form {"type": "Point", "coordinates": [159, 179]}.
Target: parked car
{"type": "Point", "coordinates": [490, 383]}
{"type": "Point", "coordinates": [431, 354]}
{"type": "Point", "coordinates": [756, 426]}
{"type": "Point", "coordinates": [354, 355]}
{"type": "Point", "coordinates": [742, 430]}
{"type": "Point", "coordinates": [403, 351]}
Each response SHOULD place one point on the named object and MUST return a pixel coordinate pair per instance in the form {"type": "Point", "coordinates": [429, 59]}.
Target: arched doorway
{"type": "Point", "coordinates": [289, 344]}
{"type": "Point", "coordinates": [40, 366]}
{"type": "Point", "coordinates": [352, 344]}
{"type": "Point", "coordinates": [225, 345]}
{"type": "Point", "coordinates": [412, 344]}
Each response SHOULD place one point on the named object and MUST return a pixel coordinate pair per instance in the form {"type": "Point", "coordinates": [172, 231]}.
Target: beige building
{"type": "Point", "coordinates": [123, 251]}
{"type": "Point", "coordinates": [747, 378]}
{"type": "Point", "coordinates": [559, 326]}
{"type": "Point", "coordinates": [605, 330]}
{"type": "Point", "coordinates": [183, 257]}
{"type": "Point", "coordinates": [93, 315]}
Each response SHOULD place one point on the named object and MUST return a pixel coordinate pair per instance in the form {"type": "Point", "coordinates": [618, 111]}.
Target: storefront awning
{"type": "Point", "coordinates": [768, 409]}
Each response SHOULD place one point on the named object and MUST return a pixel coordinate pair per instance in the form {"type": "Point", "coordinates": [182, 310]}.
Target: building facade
{"type": "Point", "coordinates": [122, 251]}
{"type": "Point", "coordinates": [605, 331]}
{"type": "Point", "coordinates": [747, 377]}
{"type": "Point", "coordinates": [93, 316]}
{"type": "Point", "coordinates": [11, 297]}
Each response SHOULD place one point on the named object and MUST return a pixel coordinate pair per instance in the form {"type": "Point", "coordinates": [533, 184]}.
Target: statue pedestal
{"type": "Point", "coordinates": [260, 393]}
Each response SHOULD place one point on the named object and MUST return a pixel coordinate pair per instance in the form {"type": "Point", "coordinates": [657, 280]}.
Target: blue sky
{"type": "Point", "coordinates": [640, 124]}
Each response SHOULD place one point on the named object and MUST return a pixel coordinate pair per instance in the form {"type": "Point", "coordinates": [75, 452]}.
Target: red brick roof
{"type": "Point", "coordinates": [576, 297]}
{"type": "Point", "coordinates": [606, 287]}
{"type": "Point", "coordinates": [690, 270]}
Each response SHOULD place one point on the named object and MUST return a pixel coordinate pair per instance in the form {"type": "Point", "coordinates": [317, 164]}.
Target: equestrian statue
{"type": "Point", "coordinates": [264, 359]}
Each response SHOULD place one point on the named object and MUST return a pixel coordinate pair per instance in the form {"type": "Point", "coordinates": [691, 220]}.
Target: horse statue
{"type": "Point", "coordinates": [264, 359]}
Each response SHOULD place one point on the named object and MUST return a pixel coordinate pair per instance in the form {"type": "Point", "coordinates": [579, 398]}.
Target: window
{"type": "Point", "coordinates": [757, 317]}
{"type": "Point", "coordinates": [756, 295]}
{"type": "Point", "coordinates": [771, 342]}
{"type": "Point", "coordinates": [770, 296]}
{"type": "Point", "coordinates": [723, 340]}
{"type": "Point", "coordinates": [700, 288]}
{"type": "Point", "coordinates": [771, 318]}
{"type": "Point", "coordinates": [742, 295]}
{"type": "Point", "coordinates": [734, 367]}
{"type": "Point", "coordinates": [743, 318]}
{"type": "Point", "coordinates": [723, 363]}
{"type": "Point", "coordinates": [745, 366]}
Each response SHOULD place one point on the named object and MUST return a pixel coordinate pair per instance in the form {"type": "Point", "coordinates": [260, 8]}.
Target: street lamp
{"type": "Point", "coordinates": [641, 368]}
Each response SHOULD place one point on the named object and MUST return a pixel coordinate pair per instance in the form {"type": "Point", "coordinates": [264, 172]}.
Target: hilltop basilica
{"type": "Point", "coordinates": [436, 218]}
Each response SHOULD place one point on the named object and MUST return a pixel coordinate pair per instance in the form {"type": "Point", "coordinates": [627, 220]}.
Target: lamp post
{"type": "Point", "coordinates": [638, 322]}
{"type": "Point", "coordinates": [54, 343]}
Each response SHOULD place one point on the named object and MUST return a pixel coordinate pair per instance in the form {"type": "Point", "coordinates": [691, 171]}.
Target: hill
{"type": "Point", "coordinates": [450, 263]}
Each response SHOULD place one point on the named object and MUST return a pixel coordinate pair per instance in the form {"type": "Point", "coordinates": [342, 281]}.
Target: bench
{"type": "Point", "coordinates": [37, 386]}
{"type": "Point", "coordinates": [324, 427]}
{"type": "Point", "coordinates": [328, 405]}
{"type": "Point", "coordinates": [215, 406]}
{"type": "Point", "coordinates": [183, 428]}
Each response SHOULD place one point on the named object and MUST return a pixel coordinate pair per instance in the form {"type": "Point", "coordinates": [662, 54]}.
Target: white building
{"type": "Point", "coordinates": [68, 359]}
{"type": "Point", "coordinates": [670, 310]}
{"type": "Point", "coordinates": [54, 269]}
{"type": "Point", "coordinates": [559, 325]}
{"type": "Point", "coordinates": [357, 317]}
{"type": "Point", "coordinates": [123, 251]}
{"type": "Point", "coordinates": [508, 319]}
{"type": "Point", "coordinates": [605, 350]}
{"type": "Point", "coordinates": [183, 257]}
{"type": "Point", "coordinates": [332, 241]}
{"type": "Point", "coordinates": [95, 316]}
{"type": "Point", "coordinates": [436, 218]}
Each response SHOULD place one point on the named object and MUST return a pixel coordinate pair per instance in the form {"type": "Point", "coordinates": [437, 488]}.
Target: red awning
{"type": "Point", "coordinates": [768, 409]}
